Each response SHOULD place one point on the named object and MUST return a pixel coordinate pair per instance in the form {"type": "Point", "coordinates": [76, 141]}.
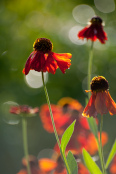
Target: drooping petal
{"type": "Point", "coordinates": [63, 60]}
{"type": "Point", "coordinates": [100, 103]}
{"type": "Point", "coordinates": [50, 64]}
{"type": "Point", "coordinates": [38, 61]}
{"type": "Point", "coordinates": [90, 109]}
{"type": "Point", "coordinates": [101, 35]}
{"type": "Point", "coordinates": [93, 32]}
{"type": "Point", "coordinates": [110, 104]}
{"type": "Point", "coordinates": [28, 64]}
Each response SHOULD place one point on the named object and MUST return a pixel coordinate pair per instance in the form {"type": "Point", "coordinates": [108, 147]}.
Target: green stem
{"type": "Point", "coordinates": [100, 147]}
{"type": "Point", "coordinates": [90, 67]}
{"type": "Point", "coordinates": [53, 124]}
{"type": "Point", "coordinates": [25, 144]}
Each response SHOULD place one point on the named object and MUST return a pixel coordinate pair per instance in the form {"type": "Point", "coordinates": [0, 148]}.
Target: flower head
{"type": "Point", "coordinates": [23, 109]}
{"type": "Point", "coordinates": [100, 101]}
{"type": "Point", "coordinates": [43, 59]}
{"type": "Point", "coordinates": [94, 31]}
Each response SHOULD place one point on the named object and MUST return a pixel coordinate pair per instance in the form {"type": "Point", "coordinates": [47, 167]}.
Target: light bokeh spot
{"type": "Point", "coordinates": [47, 153]}
{"type": "Point", "coordinates": [83, 13]}
{"type": "Point", "coordinates": [105, 6]}
{"type": "Point", "coordinates": [7, 116]}
{"type": "Point", "coordinates": [73, 35]}
{"type": "Point", "coordinates": [34, 79]}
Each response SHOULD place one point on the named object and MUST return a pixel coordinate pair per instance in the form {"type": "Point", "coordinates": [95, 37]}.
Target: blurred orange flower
{"type": "Point", "coordinates": [112, 168]}
{"type": "Point", "coordinates": [56, 165]}
{"type": "Point", "coordinates": [94, 31]}
{"type": "Point", "coordinates": [64, 113]}
{"type": "Point", "coordinates": [42, 59]}
{"type": "Point", "coordinates": [100, 101]}
{"type": "Point", "coordinates": [90, 143]}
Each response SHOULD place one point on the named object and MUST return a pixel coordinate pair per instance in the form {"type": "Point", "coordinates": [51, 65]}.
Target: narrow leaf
{"type": "Point", "coordinates": [93, 126]}
{"type": "Point", "coordinates": [66, 136]}
{"type": "Point", "coordinates": [90, 164]}
{"type": "Point", "coordinates": [72, 163]}
{"type": "Point", "coordinates": [111, 154]}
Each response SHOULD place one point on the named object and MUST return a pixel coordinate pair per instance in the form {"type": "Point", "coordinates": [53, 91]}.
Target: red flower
{"type": "Point", "coordinates": [94, 31]}
{"type": "Point", "coordinates": [23, 109]}
{"type": "Point", "coordinates": [43, 59]}
{"type": "Point", "coordinates": [100, 100]}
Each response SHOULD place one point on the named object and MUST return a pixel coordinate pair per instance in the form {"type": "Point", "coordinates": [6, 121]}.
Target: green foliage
{"type": "Point", "coordinates": [72, 163]}
{"type": "Point", "coordinates": [91, 165]}
{"type": "Point", "coordinates": [93, 126]}
{"type": "Point", "coordinates": [111, 154]}
{"type": "Point", "coordinates": [66, 136]}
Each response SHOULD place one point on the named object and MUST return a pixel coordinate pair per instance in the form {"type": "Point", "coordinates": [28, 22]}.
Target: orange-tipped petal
{"type": "Point", "coordinates": [111, 105]}
{"type": "Point", "coordinates": [90, 109]}
{"type": "Point", "coordinates": [47, 165]}
{"type": "Point", "coordinates": [63, 60]}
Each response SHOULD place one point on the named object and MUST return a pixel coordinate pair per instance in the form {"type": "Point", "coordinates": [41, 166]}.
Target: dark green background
{"type": "Point", "coordinates": [18, 31]}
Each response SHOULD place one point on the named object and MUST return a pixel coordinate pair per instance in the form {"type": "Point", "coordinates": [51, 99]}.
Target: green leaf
{"type": "Point", "coordinates": [93, 126]}
{"type": "Point", "coordinates": [72, 163]}
{"type": "Point", "coordinates": [111, 154]}
{"type": "Point", "coordinates": [90, 164]}
{"type": "Point", "coordinates": [66, 136]}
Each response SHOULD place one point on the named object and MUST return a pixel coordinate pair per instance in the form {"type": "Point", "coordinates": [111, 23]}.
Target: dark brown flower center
{"type": "Point", "coordinates": [43, 44]}
{"type": "Point", "coordinates": [96, 20]}
{"type": "Point", "coordinates": [99, 84]}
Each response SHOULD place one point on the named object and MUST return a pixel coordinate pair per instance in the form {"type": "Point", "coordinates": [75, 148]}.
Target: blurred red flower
{"type": "Point", "coordinates": [42, 59]}
{"type": "Point", "coordinates": [90, 143]}
{"type": "Point", "coordinates": [112, 168]}
{"type": "Point", "coordinates": [56, 165]}
{"type": "Point", "coordinates": [94, 31]}
{"type": "Point", "coordinates": [34, 167]}
{"type": "Point", "coordinates": [100, 101]}
{"type": "Point", "coordinates": [64, 113]}
{"type": "Point", "coordinates": [23, 109]}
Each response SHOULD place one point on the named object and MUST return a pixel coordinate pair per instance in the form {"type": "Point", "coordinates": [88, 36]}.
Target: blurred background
{"type": "Point", "coordinates": [21, 23]}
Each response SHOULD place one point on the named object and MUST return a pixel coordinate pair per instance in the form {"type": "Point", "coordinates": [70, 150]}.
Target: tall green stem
{"type": "Point", "coordinates": [90, 68]}
{"type": "Point", "coordinates": [25, 144]}
{"type": "Point", "coordinates": [53, 124]}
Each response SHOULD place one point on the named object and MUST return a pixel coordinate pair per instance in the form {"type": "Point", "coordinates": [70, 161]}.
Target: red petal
{"type": "Point", "coordinates": [100, 103]}
{"type": "Point", "coordinates": [90, 108]}
{"type": "Point", "coordinates": [63, 60]}
{"type": "Point", "coordinates": [50, 64]}
{"type": "Point", "coordinates": [38, 61]}
{"type": "Point", "coordinates": [28, 64]}
{"type": "Point", "coordinates": [111, 105]}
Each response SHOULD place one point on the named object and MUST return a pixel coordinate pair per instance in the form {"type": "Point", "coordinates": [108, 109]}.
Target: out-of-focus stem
{"type": "Point", "coordinates": [25, 144]}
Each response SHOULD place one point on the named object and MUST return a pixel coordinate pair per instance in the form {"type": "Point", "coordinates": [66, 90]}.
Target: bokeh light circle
{"type": "Point", "coordinates": [105, 6]}
{"type": "Point", "coordinates": [73, 35]}
{"type": "Point", "coordinates": [47, 153]}
{"type": "Point", "coordinates": [82, 13]}
{"type": "Point", "coordinates": [34, 79]}
{"type": "Point", "coordinates": [7, 117]}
